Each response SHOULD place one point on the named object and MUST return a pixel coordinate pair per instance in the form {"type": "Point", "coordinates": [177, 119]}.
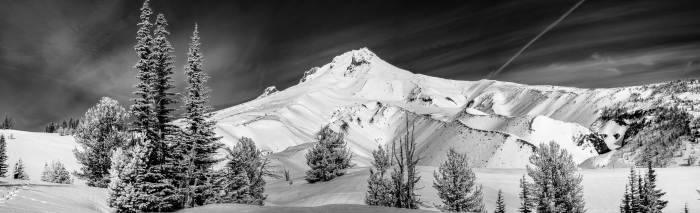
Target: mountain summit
{"type": "Point", "coordinates": [497, 123]}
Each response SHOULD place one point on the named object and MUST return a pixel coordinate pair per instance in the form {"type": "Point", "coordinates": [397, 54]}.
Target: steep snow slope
{"type": "Point", "coordinates": [498, 123]}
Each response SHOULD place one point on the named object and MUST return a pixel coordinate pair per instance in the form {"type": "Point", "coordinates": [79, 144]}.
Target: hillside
{"type": "Point", "coordinates": [497, 123]}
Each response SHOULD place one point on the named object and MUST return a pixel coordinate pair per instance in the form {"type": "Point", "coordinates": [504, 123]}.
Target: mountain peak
{"type": "Point", "coordinates": [268, 91]}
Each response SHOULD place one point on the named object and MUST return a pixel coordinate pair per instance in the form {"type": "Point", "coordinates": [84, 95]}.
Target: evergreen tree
{"type": "Point", "coordinates": [456, 185]}
{"type": "Point", "coordinates": [200, 143]}
{"type": "Point", "coordinates": [19, 173]}
{"type": "Point", "coordinates": [651, 196]}
{"type": "Point", "coordinates": [685, 209]}
{"type": "Point", "coordinates": [162, 82]}
{"type": "Point", "coordinates": [128, 163]}
{"type": "Point", "coordinates": [126, 167]}
{"type": "Point", "coordinates": [3, 156]}
{"type": "Point", "coordinates": [329, 158]}
{"type": "Point", "coordinates": [631, 198]}
{"type": "Point", "coordinates": [556, 183]}
{"type": "Point", "coordinates": [7, 123]}
{"type": "Point", "coordinates": [241, 180]}
{"type": "Point", "coordinates": [525, 199]}
{"type": "Point", "coordinates": [148, 181]}
{"type": "Point", "coordinates": [500, 205]}
{"type": "Point", "coordinates": [103, 129]}
{"type": "Point", "coordinates": [380, 191]}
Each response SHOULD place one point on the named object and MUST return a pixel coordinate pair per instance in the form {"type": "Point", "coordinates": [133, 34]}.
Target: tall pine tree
{"type": "Point", "coordinates": [525, 197]}
{"type": "Point", "coordinates": [651, 196]}
{"type": "Point", "coordinates": [130, 162]}
{"type": "Point", "coordinates": [456, 185]}
{"type": "Point", "coordinates": [3, 156]}
{"type": "Point", "coordinates": [500, 205]}
{"type": "Point", "coordinates": [200, 143]}
{"type": "Point", "coordinates": [556, 182]}
{"type": "Point", "coordinates": [147, 182]}
{"type": "Point", "coordinates": [631, 199]}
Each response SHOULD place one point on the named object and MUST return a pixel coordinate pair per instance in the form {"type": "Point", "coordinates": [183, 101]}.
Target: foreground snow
{"type": "Point", "coordinates": [603, 189]}
{"type": "Point", "coordinates": [336, 208]}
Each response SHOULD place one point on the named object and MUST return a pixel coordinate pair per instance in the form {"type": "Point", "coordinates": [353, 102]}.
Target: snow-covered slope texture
{"type": "Point", "coordinates": [35, 149]}
{"type": "Point", "coordinates": [497, 123]}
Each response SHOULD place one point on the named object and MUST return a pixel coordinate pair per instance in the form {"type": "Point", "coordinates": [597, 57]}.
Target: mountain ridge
{"type": "Point", "coordinates": [358, 85]}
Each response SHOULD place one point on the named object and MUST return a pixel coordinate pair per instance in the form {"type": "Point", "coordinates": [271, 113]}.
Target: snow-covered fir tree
{"type": "Point", "coordinates": [102, 129]}
{"type": "Point", "coordinates": [128, 163]}
{"type": "Point", "coordinates": [19, 173]}
{"type": "Point", "coordinates": [556, 185]}
{"type": "Point", "coordinates": [7, 123]}
{"type": "Point", "coordinates": [651, 198]}
{"type": "Point", "coordinates": [329, 157]}
{"type": "Point", "coordinates": [241, 180]}
{"type": "Point", "coordinates": [500, 204]}
{"type": "Point", "coordinates": [631, 199]}
{"type": "Point", "coordinates": [380, 191]}
{"type": "Point", "coordinates": [199, 145]}
{"type": "Point", "coordinates": [126, 168]}
{"type": "Point", "coordinates": [148, 181]}
{"type": "Point", "coordinates": [526, 205]}
{"type": "Point", "coordinates": [162, 83]}
{"type": "Point", "coordinates": [456, 184]}
{"type": "Point", "coordinates": [3, 156]}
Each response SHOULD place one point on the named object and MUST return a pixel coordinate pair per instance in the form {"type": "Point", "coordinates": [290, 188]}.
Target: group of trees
{"type": "Point", "coordinates": [555, 183]}
{"type": "Point", "coordinates": [397, 189]}
{"type": "Point", "coordinates": [7, 123]}
{"type": "Point", "coordinates": [56, 173]}
{"type": "Point", "coordinates": [146, 162]}
{"type": "Point", "coordinates": [641, 194]}
{"type": "Point", "coordinates": [653, 135]}
{"type": "Point", "coordinates": [64, 128]}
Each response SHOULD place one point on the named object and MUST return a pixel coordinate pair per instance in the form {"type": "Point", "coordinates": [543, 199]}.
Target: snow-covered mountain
{"type": "Point", "coordinates": [497, 123]}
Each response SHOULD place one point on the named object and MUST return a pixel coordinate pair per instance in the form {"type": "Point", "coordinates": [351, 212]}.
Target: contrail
{"type": "Point", "coordinates": [494, 73]}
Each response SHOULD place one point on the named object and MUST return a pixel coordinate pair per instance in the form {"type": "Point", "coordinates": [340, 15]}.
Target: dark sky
{"type": "Point", "coordinates": [58, 57]}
